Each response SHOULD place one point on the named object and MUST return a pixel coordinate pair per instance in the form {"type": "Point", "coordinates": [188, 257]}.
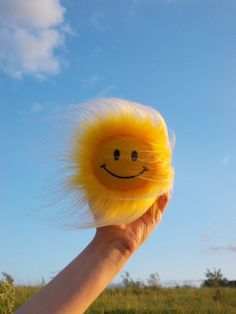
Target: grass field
{"type": "Point", "coordinates": [154, 300]}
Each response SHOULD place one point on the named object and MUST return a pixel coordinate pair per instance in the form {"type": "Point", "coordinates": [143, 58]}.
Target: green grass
{"type": "Point", "coordinates": [163, 300]}
{"type": "Point", "coordinates": [154, 300]}
{"type": "Point", "coordinates": [24, 293]}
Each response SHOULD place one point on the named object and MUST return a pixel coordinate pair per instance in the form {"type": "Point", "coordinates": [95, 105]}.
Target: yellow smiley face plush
{"type": "Point", "coordinates": [120, 162]}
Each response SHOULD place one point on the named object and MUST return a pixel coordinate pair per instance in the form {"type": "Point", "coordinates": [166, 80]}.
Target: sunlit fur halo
{"type": "Point", "coordinates": [119, 160]}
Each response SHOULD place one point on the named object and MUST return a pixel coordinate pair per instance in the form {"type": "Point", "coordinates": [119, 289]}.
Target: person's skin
{"type": "Point", "coordinates": [79, 284]}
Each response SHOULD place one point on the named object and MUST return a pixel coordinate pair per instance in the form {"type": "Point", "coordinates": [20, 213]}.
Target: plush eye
{"type": "Point", "coordinates": [116, 154]}
{"type": "Point", "coordinates": [134, 155]}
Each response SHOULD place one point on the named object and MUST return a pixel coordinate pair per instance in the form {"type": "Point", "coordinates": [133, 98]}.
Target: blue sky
{"type": "Point", "coordinates": [178, 56]}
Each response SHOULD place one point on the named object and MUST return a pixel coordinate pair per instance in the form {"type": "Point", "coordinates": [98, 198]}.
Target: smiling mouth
{"type": "Point", "coordinates": [121, 177]}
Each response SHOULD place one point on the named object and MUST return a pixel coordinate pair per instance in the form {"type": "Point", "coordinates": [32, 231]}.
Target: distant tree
{"type": "Point", "coordinates": [231, 283]}
{"type": "Point", "coordinates": [128, 282]}
{"type": "Point", "coordinates": [215, 278]}
{"type": "Point", "coordinates": [154, 280]}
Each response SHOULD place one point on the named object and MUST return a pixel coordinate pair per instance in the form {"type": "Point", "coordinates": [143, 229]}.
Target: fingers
{"type": "Point", "coordinates": [162, 202]}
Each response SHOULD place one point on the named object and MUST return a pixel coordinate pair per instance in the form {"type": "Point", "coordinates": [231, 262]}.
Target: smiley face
{"type": "Point", "coordinates": [123, 163]}
{"type": "Point", "coordinates": [120, 162]}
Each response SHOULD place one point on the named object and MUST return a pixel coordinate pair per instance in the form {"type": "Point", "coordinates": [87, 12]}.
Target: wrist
{"type": "Point", "coordinates": [111, 245]}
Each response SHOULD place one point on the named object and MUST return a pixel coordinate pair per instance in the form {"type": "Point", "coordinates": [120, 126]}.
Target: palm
{"type": "Point", "coordinates": [132, 235]}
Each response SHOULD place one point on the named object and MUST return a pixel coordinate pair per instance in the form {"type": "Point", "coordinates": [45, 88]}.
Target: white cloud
{"type": "Point", "coordinates": [42, 14]}
{"type": "Point", "coordinates": [218, 248]}
{"type": "Point", "coordinates": [30, 31]}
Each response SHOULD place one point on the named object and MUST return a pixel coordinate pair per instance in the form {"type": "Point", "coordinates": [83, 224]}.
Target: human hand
{"type": "Point", "coordinates": [80, 282]}
{"type": "Point", "coordinates": [129, 237]}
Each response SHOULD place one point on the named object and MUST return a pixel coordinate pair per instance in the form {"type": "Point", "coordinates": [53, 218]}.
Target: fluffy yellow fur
{"type": "Point", "coordinates": [121, 161]}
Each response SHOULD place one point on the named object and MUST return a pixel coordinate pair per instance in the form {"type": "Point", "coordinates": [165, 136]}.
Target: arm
{"type": "Point", "coordinates": [78, 285]}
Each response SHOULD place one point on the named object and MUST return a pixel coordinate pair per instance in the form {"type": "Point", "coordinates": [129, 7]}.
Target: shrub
{"type": "Point", "coordinates": [215, 279]}
{"type": "Point", "coordinates": [154, 281]}
{"type": "Point", "coordinates": [7, 294]}
{"type": "Point", "coordinates": [130, 284]}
